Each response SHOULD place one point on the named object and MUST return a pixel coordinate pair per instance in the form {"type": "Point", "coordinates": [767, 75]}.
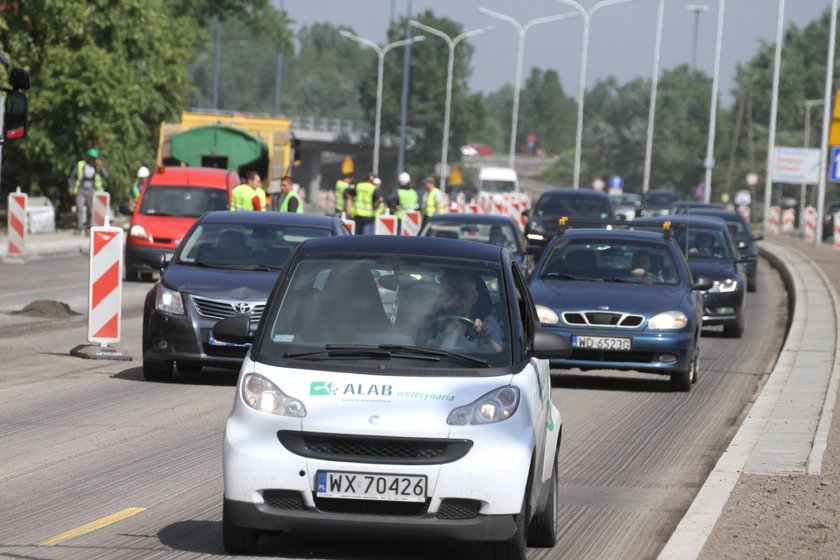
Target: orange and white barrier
{"type": "Point", "coordinates": [809, 225]}
{"type": "Point", "coordinates": [774, 214]}
{"type": "Point", "coordinates": [17, 224]}
{"type": "Point", "coordinates": [105, 290]}
{"type": "Point", "coordinates": [411, 222]}
{"type": "Point", "coordinates": [385, 225]}
{"type": "Point", "coordinates": [100, 210]}
{"type": "Point", "coordinates": [788, 219]}
{"type": "Point", "coordinates": [837, 230]}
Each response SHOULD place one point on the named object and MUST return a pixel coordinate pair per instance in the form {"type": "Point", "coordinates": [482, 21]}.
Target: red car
{"type": "Point", "coordinates": [475, 149]}
{"type": "Point", "coordinates": [174, 199]}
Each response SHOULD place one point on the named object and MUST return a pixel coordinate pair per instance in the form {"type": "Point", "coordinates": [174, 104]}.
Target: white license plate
{"type": "Point", "coordinates": [601, 343]}
{"type": "Point", "coordinates": [365, 486]}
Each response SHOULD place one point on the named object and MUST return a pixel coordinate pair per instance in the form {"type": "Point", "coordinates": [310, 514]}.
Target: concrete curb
{"type": "Point", "coordinates": [697, 524]}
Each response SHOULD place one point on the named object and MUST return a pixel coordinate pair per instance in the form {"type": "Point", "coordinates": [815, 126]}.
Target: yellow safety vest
{"type": "Point", "coordinates": [364, 200]}
{"type": "Point", "coordinates": [341, 187]}
{"type": "Point", "coordinates": [80, 175]}
{"type": "Point", "coordinates": [243, 197]}
{"type": "Point", "coordinates": [431, 204]}
{"type": "Point", "coordinates": [407, 199]}
{"type": "Point", "coordinates": [263, 199]}
{"type": "Point", "coordinates": [285, 206]}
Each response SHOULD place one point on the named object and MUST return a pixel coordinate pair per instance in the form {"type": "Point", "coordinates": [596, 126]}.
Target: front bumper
{"type": "Point", "coordinates": [722, 308]}
{"type": "Point", "coordinates": [661, 352]}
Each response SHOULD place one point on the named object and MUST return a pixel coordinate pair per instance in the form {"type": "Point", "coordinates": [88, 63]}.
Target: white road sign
{"type": "Point", "coordinates": [796, 165]}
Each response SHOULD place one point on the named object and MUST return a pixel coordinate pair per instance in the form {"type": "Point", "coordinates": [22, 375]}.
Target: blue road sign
{"type": "Point", "coordinates": [834, 173]}
{"type": "Point", "coordinates": [616, 183]}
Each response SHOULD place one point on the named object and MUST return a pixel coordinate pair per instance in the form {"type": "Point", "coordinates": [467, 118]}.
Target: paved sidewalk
{"type": "Point", "coordinates": [48, 245]}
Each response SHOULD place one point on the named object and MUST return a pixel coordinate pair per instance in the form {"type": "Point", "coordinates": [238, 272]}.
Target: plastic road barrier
{"type": "Point", "coordinates": [788, 218]}
{"type": "Point", "coordinates": [773, 216]}
{"type": "Point", "coordinates": [385, 225]}
{"type": "Point", "coordinates": [810, 224]}
{"type": "Point", "coordinates": [101, 205]}
{"type": "Point", "coordinates": [411, 222]}
{"type": "Point", "coordinates": [17, 224]}
{"type": "Point", "coordinates": [105, 290]}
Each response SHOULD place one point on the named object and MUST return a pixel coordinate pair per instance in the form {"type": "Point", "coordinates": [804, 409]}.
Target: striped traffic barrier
{"type": "Point", "coordinates": [774, 214]}
{"type": "Point", "coordinates": [837, 230]}
{"type": "Point", "coordinates": [17, 225]}
{"type": "Point", "coordinates": [105, 285]}
{"type": "Point", "coordinates": [810, 224]}
{"type": "Point", "coordinates": [101, 206]}
{"type": "Point", "coordinates": [411, 222]}
{"type": "Point", "coordinates": [788, 219]}
{"type": "Point", "coordinates": [385, 225]}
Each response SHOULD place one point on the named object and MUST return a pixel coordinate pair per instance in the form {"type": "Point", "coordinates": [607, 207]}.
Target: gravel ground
{"type": "Point", "coordinates": [786, 517]}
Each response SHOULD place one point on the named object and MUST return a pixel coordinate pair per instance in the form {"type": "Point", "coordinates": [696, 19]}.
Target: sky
{"type": "Point", "coordinates": [622, 36]}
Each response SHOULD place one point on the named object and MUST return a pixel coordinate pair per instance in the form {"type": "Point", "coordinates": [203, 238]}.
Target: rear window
{"type": "Point", "coordinates": [574, 206]}
{"type": "Point", "coordinates": [497, 186]}
{"type": "Point", "coordinates": [502, 235]}
{"type": "Point", "coordinates": [182, 201]}
{"type": "Point", "coordinates": [661, 199]}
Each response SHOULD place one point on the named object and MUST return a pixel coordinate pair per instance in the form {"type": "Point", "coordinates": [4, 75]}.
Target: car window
{"type": "Point", "coordinates": [218, 244]}
{"type": "Point", "coordinates": [438, 304]}
{"type": "Point", "coordinates": [660, 199]}
{"type": "Point", "coordinates": [738, 231]}
{"type": "Point", "coordinates": [573, 206]}
{"type": "Point", "coordinates": [705, 243]}
{"type": "Point", "coordinates": [497, 186]}
{"type": "Point", "coordinates": [611, 261]}
{"type": "Point", "coordinates": [496, 234]}
{"type": "Point", "coordinates": [159, 200]}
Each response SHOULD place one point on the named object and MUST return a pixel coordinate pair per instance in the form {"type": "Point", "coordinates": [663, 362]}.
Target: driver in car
{"type": "Point", "coordinates": [454, 322]}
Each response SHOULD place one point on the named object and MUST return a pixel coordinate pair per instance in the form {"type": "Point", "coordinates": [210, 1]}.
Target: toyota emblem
{"type": "Point", "coordinates": [242, 307]}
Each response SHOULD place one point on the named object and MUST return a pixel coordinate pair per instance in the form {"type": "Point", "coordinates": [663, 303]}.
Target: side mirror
{"type": "Point", "coordinates": [19, 79]}
{"type": "Point", "coordinates": [234, 330]}
{"type": "Point", "coordinates": [16, 115]}
{"type": "Point", "coordinates": [702, 283]}
{"type": "Point", "coordinates": [758, 236]}
{"type": "Point", "coordinates": [125, 210]}
{"type": "Point", "coordinates": [548, 345]}
{"type": "Point", "coordinates": [158, 261]}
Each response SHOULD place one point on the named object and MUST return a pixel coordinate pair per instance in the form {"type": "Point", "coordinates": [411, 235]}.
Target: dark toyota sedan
{"type": "Point", "coordinates": [226, 266]}
{"type": "Point", "coordinates": [711, 254]}
{"type": "Point", "coordinates": [743, 236]}
{"type": "Point", "coordinates": [554, 204]}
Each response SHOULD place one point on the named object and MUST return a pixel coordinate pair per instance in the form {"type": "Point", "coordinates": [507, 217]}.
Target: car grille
{"type": "Point", "coordinates": [284, 499]}
{"type": "Point", "coordinates": [385, 450]}
{"type": "Point", "coordinates": [222, 309]}
{"type": "Point", "coordinates": [602, 319]}
{"type": "Point", "coordinates": [371, 507]}
{"type": "Point", "coordinates": [458, 508]}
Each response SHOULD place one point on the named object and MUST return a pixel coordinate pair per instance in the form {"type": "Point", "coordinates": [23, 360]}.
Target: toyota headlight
{"type": "Point", "coordinates": [169, 301]}
{"type": "Point", "coordinates": [264, 396]}
{"type": "Point", "coordinates": [668, 320]}
{"type": "Point", "coordinates": [547, 316]}
{"type": "Point", "coordinates": [139, 232]}
{"type": "Point", "coordinates": [728, 285]}
{"type": "Point", "coordinates": [495, 406]}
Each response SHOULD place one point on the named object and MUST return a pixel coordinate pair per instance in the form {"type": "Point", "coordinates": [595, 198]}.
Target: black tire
{"type": "Point", "coordinates": [752, 283]}
{"type": "Point", "coordinates": [157, 371]}
{"type": "Point", "coordinates": [190, 368]}
{"type": "Point", "coordinates": [238, 540]}
{"type": "Point", "coordinates": [514, 548]}
{"type": "Point", "coordinates": [681, 380]}
{"type": "Point", "coordinates": [735, 330]}
{"type": "Point", "coordinates": [542, 531]}
{"type": "Point", "coordinates": [695, 366]}
{"type": "Point", "coordinates": [132, 276]}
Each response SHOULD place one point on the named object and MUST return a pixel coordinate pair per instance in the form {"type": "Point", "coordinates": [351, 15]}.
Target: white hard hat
{"type": "Point", "coordinates": [377, 181]}
{"type": "Point", "coordinates": [404, 178]}
{"type": "Point", "coordinates": [143, 172]}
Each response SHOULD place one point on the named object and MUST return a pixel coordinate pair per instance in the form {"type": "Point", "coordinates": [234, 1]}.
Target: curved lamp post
{"type": "Point", "coordinates": [451, 43]}
{"type": "Point", "coordinates": [522, 30]}
{"type": "Point", "coordinates": [587, 17]}
{"type": "Point", "coordinates": [381, 52]}
{"type": "Point", "coordinates": [654, 85]}
{"type": "Point", "coordinates": [709, 162]}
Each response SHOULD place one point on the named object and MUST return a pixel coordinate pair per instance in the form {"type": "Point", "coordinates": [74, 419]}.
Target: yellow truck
{"type": "Point", "coordinates": [230, 141]}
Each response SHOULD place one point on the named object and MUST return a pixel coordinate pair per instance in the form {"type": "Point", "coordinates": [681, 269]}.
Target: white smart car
{"type": "Point", "coordinates": [395, 384]}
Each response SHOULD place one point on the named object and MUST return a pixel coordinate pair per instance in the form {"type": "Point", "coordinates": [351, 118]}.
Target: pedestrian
{"type": "Point", "coordinates": [292, 201]}
{"type": "Point", "coordinates": [137, 187]}
{"type": "Point", "coordinates": [433, 199]}
{"type": "Point", "coordinates": [343, 199]}
{"type": "Point", "coordinates": [366, 198]}
{"type": "Point", "coordinates": [256, 182]}
{"type": "Point", "coordinates": [405, 199]}
{"type": "Point", "coordinates": [86, 178]}
{"type": "Point", "coordinates": [245, 196]}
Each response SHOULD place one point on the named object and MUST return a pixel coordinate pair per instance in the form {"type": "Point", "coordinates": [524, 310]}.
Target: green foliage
{"type": "Point", "coordinates": [545, 110]}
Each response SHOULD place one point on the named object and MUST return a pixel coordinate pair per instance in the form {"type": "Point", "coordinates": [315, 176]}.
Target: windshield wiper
{"type": "Point", "coordinates": [625, 280]}
{"type": "Point", "coordinates": [420, 351]}
{"type": "Point", "coordinates": [268, 267]}
{"type": "Point", "coordinates": [387, 351]}
{"type": "Point", "coordinates": [344, 351]}
{"type": "Point", "coordinates": [563, 276]}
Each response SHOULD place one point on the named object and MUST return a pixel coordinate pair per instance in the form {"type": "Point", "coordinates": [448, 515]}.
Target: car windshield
{"type": "Point", "coordinates": [497, 234]}
{"type": "Point", "coordinates": [625, 199]}
{"type": "Point", "coordinates": [704, 243]}
{"type": "Point", "coordinates": [497, 186]}
{"type": "Point", "coordinates": [660, 199]}
{"type": "Point", "coordinates": [243, 244]}
{"type": "Point", "coordinates": [160, 200]}
{"type": "Point", "coordinates": [411, 311]}
{"type": "Point", "coordinates": [738, 232]}
{"type": "Point", "coordinates": [610, 261]}
{"type": "Point", "coordinates": [573, 206]}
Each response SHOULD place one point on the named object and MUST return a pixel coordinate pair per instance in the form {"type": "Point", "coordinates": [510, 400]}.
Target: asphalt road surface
{"type": "Point", "coordinates": [98, 463]}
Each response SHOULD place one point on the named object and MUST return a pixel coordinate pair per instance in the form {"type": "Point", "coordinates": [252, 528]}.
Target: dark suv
{"type": "Point", "coordinates": [831, 208]}
{"type": "Point", "coordinates": [658, 202]}
{"type": "Point", "coordinates": [554, 204]}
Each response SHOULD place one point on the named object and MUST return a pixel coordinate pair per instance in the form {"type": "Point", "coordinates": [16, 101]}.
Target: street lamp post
{"type": "Point", "coordinates": [522, 30]}
{"type": "Point", "coordinates": [709, 162]}
{"type": "Point", "coordinates": [381, 52]}
{"type": "Point", "coordinates": [587, 17]}
{"type": "Point", "coordinates": [653, 89]}
{"type": "Point", "coordinates": [697, 9]}
{"type": "Point", "coordinates": [829, 77]}
{"type": "Point", "coordinates": [451, 43]}
{"type": "Point", "coordinates": [774, 106]}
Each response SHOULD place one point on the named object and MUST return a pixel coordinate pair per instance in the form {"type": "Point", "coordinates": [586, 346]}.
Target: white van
{"type": "Point", "coordinates": [497, 180]}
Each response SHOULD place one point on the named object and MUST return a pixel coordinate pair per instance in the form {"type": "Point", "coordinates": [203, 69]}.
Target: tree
{"type": "Point", "coordinates": [546, 111]}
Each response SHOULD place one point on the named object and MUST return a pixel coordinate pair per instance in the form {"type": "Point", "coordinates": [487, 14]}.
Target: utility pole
{"type": "Point", "coordinates": [697, 9]}
{"type": "Point", "coordinates": [404, 93]}
{"type": "Point", "coordinates": [278, 69]}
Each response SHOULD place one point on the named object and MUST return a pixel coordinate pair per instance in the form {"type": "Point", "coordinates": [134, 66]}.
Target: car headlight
{"type": "Point", "coordinates": [728, 285]}
{"type": "Point", "coordinates": [547, 316]}
{"type": "Point", "coordinates": [139, 232]}
{"type": "Point", "coordinates": [668, 320]}
{"type": "Point", "coordinates": [264, 396]}
{"type": "Point", "coordinates": [495, 406]}
{"type": "Point", "coordinates": [169, 301]}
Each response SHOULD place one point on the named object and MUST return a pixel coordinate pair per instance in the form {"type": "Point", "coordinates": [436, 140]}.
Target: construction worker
{"type": "Point", "coordinates": [364, 209]}
{"type": "Point", "coordinates": [407, 198]}
{"type": "Point", "coordinates": [433, 199]}
{"type": "Point", "coordinates": [292, 202]}
{"type": "Point", "coordinates": [257, 184]}
{"type": "Point", "coordinates": [245, 196]}
{"type": "Point", "coordinates": [137, 187]}
{"type": "Point", "coordinates": [85, 179]}
{"type": "Point", "coordinates": [343, 200]}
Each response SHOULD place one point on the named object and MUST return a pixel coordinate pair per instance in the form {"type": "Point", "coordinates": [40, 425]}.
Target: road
{"type": "Point", "coordinates": [85, 439]}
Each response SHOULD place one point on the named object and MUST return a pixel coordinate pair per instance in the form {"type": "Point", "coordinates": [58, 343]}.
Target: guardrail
{"type": "Point", "coordinates": [301, 122]}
